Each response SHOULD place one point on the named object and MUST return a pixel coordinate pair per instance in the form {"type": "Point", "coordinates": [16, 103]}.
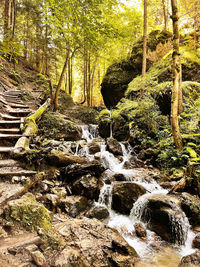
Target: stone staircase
{"type": "Point", "coordinates": [12, 115]}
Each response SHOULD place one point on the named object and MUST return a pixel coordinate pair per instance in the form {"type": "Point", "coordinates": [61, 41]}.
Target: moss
{"type": "Point", "coordinates": [29, 213]}
{"type": "Point", "coordinates": [53, 125]}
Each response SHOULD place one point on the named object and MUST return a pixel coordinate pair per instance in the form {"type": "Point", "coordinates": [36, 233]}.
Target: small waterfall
{"type": "Point", "coordinates": [89, 132]}
{"type": "Point", "coordinates": [105, 197]}
{"type": "Point", "coordinates": [125, 224]}
{"type": "Point", "coordinates": [179, 228]}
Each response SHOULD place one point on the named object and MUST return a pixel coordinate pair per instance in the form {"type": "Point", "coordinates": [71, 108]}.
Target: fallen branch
{"type": "Point", "coordinates": [30, 129]}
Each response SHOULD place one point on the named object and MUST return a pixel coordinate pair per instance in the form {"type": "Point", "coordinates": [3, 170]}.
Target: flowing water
{"type": "Point", "coordinates": [153, 251]}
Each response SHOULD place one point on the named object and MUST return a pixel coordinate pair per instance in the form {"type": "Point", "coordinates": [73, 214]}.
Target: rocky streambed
{"type": "Point", "coordinates": [97, 205]}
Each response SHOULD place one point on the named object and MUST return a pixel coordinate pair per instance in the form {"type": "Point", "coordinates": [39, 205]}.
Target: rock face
{"type": "Point", "coordinates": [192, 260]}
{"type": "Point", "coordinates": [125, 195]}
{"type": "Point", "coordinates": [164, 217]}
{"type": "Point", "coordinates": [191, 206]}
{"type": "Point", "coordinates": [96, 245]}
{"type": "Point", "coordinates": [119, 75]}
{"type": "Point", "coordinates": [114, 147]}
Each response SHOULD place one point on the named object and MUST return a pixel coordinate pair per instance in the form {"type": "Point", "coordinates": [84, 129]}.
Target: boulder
{"type": "Point", "coordinates": [119, 75]}
{"type": "Point", "coordinates": [74, 171]}
{"type": "Point", "coordinates": [98, 212]}
{"type": "Point", "coordinates": [94, 148]}
{"type": "Point", "coordinates": [114, 146]}
{"type": "Point", "coordinates": [53, 125]}
{"type": "Point", "coordinates": [96, 244]}
{"type": "Point", "coordinates": [196, 242]}
{"type": "Point", "coordinates": [192, 260]}
{"type": "Point", "coordinates": [28, 213]}
{"type": "Point", "coordinates": [191, 206]}
{"type": "Point", "coordinates": [61, 159]}
{"type": "Point", "coordinates": [172, 224]}
{"type": "Point", "coordinates": [86, 186]}
{"type": "Point", "coordinates": [74, 205]}
{"type": "Point", "coordinates": [125, 195]}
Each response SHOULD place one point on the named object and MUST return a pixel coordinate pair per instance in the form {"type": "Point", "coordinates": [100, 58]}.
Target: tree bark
{"type": "Point", "coordinates": [165, 15]}
{"type": "Point", "coordinates": [176, 72]}
{"type": "Point", "coordinates": [144, 60]}
{"type": "Point", "coordinates": [61, 80]}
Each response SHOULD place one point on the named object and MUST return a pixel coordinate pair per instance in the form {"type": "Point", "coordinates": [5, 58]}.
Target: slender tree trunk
{"type": "Point", "coordinates": [180, 93]}
{"type": "Point", "coordinates": [165, 15]}
{"type": "Point", "coordinates": [89, 80]}
{"type": "Point", "coordinates": [6, 18]}
{"type": "Point", "coordinates": [144, 60]}
{"type": "Point", "coordinates": [61, 80]}
{"type": "Point", "coordinates": [176, 71]}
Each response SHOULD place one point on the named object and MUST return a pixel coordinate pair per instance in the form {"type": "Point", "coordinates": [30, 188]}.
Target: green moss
{"type": "Point", "coordinates": [29, 213]}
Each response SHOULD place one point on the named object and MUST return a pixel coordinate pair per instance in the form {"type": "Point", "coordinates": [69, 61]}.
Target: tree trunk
{"type": "Point", "coordinates": [144, 60]}
{"type": "Point", "coordinates": [60, 80]}
{"type": "Point", "coordinates": [180, 94]}
{"type": "Point", "coordinates": [9, 19]}
{"type": "Point", "coordinates": [176, 72]}
{"type": "Point", "coordinates": [165, 15]}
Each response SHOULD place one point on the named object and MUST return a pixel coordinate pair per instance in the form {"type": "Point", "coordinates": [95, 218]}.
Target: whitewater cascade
{"type": "Point", "coordinates": [140, 212]}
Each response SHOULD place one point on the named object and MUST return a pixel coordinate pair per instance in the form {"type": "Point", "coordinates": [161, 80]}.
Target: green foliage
{"type": "Point", "coordinates": [11, 50]}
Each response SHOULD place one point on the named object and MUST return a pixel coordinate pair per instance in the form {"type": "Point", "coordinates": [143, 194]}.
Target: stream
{"type": "Point", "coordinates": [153, 251]}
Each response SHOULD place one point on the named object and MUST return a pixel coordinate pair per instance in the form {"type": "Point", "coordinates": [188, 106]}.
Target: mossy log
{"type": "Point", "coordinates": [30, 128]}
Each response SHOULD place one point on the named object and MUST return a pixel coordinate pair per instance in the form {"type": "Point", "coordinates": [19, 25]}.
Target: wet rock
{"type": "Point", "coordinates": [196, 242]}
{"type": "Point", "coordinates": [94, 148]}
{"type": "Point", "coordinates": [86, 186]}
{"type": "Point", "coordinates": [75, 171]}
{"type": "Point", "coordinates": [124, 195]}
{"type": "Point", "coordinates": [97, 244]}
{"type": "Point", "coordinates": [74, 205]}
{"type": "Point", "coordinates": [52, 199]}
{"type": "Point", "coordinates": [114, 146]}
{"type": "Point", "coordinates": [140, 230]}
{"type": "Point", "coordinates": [171, 225]}
{"type": "Point", "coordinates": [98, 212]}
{"type": "Point", "coordinates": [134, 162]}
{"type": "Point", "coordinates": [191, 206]}
{"type": "Point", "coordinates": [119, 177]}
{"type": "Point", "coordinates": [61, 159]}
{"type": "Point", "coordinates": [192, 260]}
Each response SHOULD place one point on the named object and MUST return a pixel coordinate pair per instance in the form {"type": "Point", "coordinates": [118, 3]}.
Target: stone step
{"type": "Point", "coordinates": [14, 92]}
{"type": "Point", "coordinates": [10, 122]}
{"type": "Point", "coordinates": [18, 111]}
{"type": "Point", "coordinates": [9, 163]}
{"type": "Point", "coordinates": [15, 101]}
{"type": "Point", "coordinates": [12, 105]}
{"type": "Point", "coordinates": [6, 149]}
{"type": "Point", "coordinates": [10, 136]}
{"type": "Point", "coordinates": [15, 171]}
{"type": "Point", "coordinates": [9, 117]}
{"type": "Point", "coordinates": [10, 130]}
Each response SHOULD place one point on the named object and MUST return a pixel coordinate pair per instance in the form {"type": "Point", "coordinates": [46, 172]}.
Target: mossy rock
{"type": "Point", "coordinates": [120, 74]}
{"type": "Point", "coordinates": [53, 125]}
{"type": "Point", "coordinates": [29, 213]}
